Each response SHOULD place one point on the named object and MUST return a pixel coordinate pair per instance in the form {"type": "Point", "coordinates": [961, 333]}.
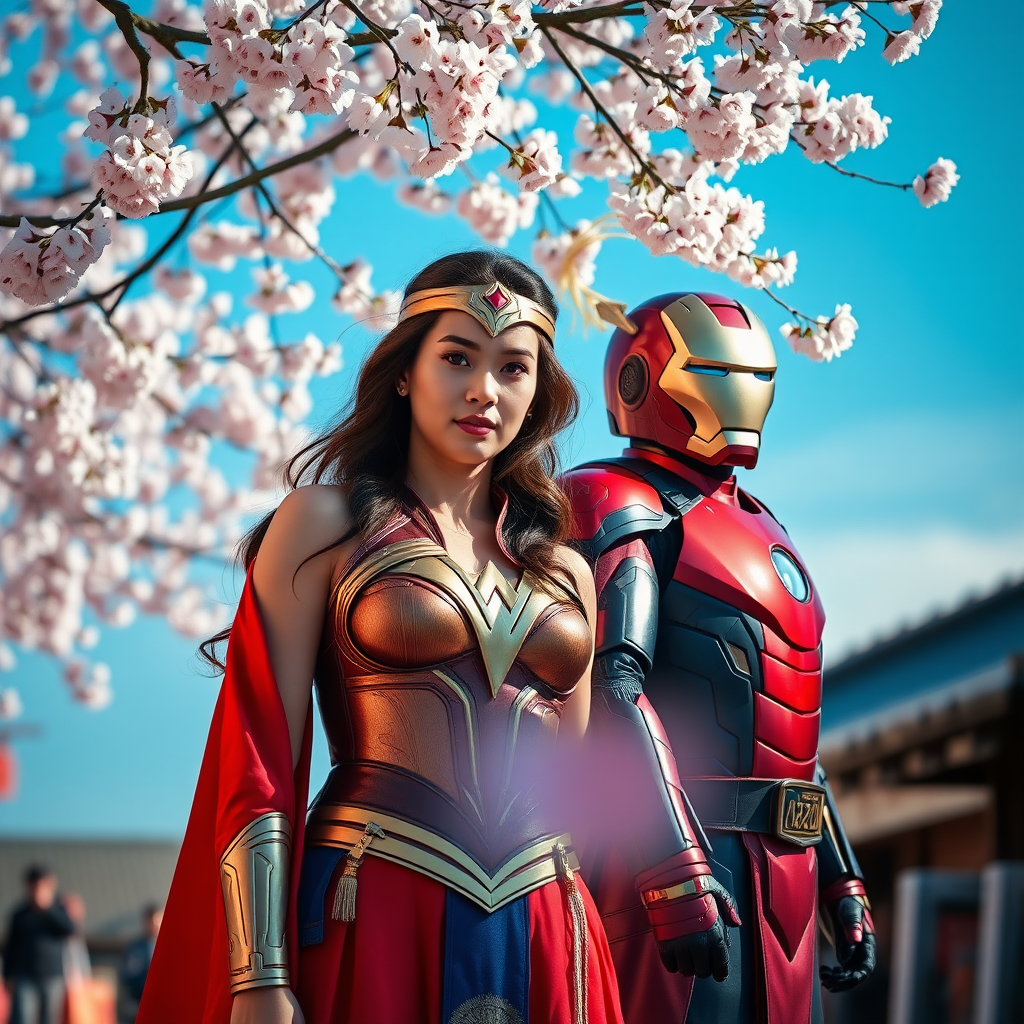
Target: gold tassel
{"type": "Point", "coordinates": [595, 310]}
{"type": "Point", "coordinates": [579, 934]}
{"type": "Point", "coordinates": [345, 894]}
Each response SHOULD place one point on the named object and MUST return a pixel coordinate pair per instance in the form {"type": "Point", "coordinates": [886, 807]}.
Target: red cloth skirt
{"type": "Point", "coordinates": [387, 966]}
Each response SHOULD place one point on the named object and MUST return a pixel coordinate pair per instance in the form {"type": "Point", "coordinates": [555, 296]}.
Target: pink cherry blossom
{"type": "Point", "coordinates": [536, 162]}
{"type": "Point", "coordinates": [203, 83]}
{"type": "Point", "coordinates": [723, 130]}
{"type": "Point", "coordinates": [12, 124]}
{"type": "Point", "coordinates": [10, 700]}
{"type": "Point", "coordinates": [937, 182]}
{"type": "Point", "coordinates": [925, 13]}
{"type": "Point", "coordinates": [40, 267]}
{"type": "Point", "coordinates": [832, 38]}
{"type": "Point", "coordinates": [826, 339]}
{"type": "Point", "coordinates": [493, 213]}
{"type": "Point", "coordinates": [277, 294]}
{"type": "Point", "coordinates": [182, 285]}
{"type": "Point", "coordinates": [901, 46]}
{"type": "Point", "coordinates": [109, 479]}
{"type": "Point", "coordinates": [425, 196]}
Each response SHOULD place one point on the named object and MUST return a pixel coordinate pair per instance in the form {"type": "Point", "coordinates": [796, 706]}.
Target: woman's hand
{"type": "Point", "coordinates": [275, 1004]}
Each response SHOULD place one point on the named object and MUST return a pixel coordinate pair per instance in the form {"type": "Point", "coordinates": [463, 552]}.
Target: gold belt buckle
{"type": "Point", "coordinates": [799, 809]}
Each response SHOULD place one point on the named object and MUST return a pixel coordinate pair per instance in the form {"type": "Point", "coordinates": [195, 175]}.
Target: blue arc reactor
{"type": "Point", "coordinates": [792, 576]}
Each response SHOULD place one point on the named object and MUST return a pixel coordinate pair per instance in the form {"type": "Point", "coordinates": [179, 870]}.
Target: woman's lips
{"type": "Point", "coordinates": [476, 425]}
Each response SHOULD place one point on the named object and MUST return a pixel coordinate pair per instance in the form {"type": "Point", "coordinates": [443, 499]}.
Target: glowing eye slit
{"type": "Point", "coordinates": [764, 374]}
{"type": "Point", "coordinates": [710, 371]}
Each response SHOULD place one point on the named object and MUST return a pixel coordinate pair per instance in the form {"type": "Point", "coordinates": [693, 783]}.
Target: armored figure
{"type": "Point", "coordinates": [707, 682]}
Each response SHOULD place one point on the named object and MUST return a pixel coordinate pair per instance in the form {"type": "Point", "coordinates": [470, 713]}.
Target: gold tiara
{"type": "Point", "coordinates": [492, 304]}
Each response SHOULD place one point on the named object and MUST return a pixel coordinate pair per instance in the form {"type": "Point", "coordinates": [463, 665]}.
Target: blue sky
{"type": "Point", "coordinates": [897, 469]}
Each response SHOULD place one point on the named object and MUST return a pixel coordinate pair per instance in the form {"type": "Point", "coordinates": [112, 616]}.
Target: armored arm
{"type": "Point", "coordinates": [254, 880]}
{"type": "Point", "coordinates": [657, 833]}
{"type": "Point", "coordinates": [661, 839]}
{"type": "Point", "coordinates": [627, 627]}
{"type": "Point", "coordinates": [845, 910]}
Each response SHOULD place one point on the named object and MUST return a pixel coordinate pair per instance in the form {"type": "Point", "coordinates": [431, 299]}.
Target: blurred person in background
{"type": "Point", "coordinates": [77, 964]}
{"type": "Point", "coordinates": [37, 937]}
{"type": "Point", "coordinates": [135, 964]}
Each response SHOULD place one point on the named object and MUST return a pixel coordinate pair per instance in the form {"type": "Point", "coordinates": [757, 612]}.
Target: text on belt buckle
{"type": "Point", "coordinates": [799, 810]}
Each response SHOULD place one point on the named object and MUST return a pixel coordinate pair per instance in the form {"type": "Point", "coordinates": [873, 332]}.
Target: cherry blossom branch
{"type": "Point", "coordinates": [200, 198]}
{"type": "Point", "coordinates": [158, 544]}
{"type": "Point", "coordinates": [624, 57]}
{"type": "Point", "coordinates": [789, 309]}
{"type": "Point", "coordinates": [645, 167]}
{"type": "Point", "coordinates": [168, 35]}
{"type": "Point", "coordinates": [161, 544]}
{"type": "Point", "coordinates": [125, 21]}
{"type": "Point", "coordinates": [579, 16]}
{"type": "Point", "coordinates": [312, 9]}
{"type": "Point", "coordinates": [635, 64]}
{"type": "Point", "coordinates": [383, 34]}
{"type": "Point", "coordinates": [863, 8]}
{"type": "Point", "coordinates": [126, 282]}
{"type": "Point", "coordinates": [904, 186]}
{"type": "Point", "coordinates": [813, 323]}
{"type": "Point", "coordinates": [316, 250]}
{"type": "Point", "coordinates": [328, 145]}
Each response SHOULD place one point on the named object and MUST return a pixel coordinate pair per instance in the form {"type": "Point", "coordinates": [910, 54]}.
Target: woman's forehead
{"type": "Point", "coordinates": [454, 323]}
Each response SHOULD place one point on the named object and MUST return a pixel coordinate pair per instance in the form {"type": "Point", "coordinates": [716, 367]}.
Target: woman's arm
{"type": "Point", "coordinates": [292, 593]}
{"type": "Point", "coordinates": [576, 712]}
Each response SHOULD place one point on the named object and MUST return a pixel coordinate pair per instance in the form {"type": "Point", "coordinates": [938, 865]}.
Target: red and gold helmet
{"type": "Point", "coordinates": [697, 377]}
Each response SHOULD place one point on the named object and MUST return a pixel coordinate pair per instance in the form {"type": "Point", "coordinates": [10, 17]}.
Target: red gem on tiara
{"type": "Point", "coordinates": [498, 298]}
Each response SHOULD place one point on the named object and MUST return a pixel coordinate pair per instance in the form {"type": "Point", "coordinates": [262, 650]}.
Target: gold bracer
{"type": "Point", "coordinates": [494, 305]}
{"type": "Point", "coordinates": [691, 887]}
{"type": "Point", "coordinates": [254, 877]}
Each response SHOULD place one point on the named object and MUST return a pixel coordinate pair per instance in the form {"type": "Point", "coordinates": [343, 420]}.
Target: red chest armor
{"type": "Point", "coordinates": [736, 675]}
{"type": "Point", "coordinates": [728, 541]}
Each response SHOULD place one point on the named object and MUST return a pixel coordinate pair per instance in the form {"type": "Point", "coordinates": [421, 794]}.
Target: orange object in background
{"type": "Point", "coordinates": [91, 1001]}
{"type": "Point", "coordinates": [8, 772]}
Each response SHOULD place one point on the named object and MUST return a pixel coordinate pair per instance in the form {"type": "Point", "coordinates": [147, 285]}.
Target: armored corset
{"type": "Point", "coordinates": [440, 695]}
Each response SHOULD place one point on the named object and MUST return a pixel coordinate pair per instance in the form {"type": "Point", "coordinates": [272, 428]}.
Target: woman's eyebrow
{"type": "Point", "coordinates": [458, 341]}
{"type": "Point", "coordinates": [450, 338]}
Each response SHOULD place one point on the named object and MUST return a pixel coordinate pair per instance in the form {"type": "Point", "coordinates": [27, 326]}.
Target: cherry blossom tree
{"type": "Point", "coordinates": [113, 400]}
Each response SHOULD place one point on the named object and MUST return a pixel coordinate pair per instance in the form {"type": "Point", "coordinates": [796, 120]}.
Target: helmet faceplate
{"type": "Point", "coordinates": [698, 377]}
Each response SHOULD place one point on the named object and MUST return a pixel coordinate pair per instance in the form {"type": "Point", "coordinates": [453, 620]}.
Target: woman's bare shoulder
{"type": "Point", "coordinates": [309, 519]}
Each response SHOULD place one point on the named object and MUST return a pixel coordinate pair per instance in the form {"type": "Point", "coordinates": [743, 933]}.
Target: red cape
{"type": "Point", "coordinates": [247, 771]}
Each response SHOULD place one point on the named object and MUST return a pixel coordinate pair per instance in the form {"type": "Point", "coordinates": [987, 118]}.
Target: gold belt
{"type": "Point", "coordinates": [530, 867]}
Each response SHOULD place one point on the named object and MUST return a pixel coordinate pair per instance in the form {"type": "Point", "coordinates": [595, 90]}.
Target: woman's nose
{"type": "Point", "coordinates": [483, 389]}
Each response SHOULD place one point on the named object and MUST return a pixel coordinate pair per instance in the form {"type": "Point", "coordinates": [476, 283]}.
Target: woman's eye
{"type": "Point", "coordinates": [456, 358]}
{"type": "Point", "coordinates": [516, 368]}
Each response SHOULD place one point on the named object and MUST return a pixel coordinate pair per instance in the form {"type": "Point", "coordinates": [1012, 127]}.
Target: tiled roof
{"type": "Point", "coordinates": [883, 645]}
{"type": "Point", "coordinates": [116, 878]}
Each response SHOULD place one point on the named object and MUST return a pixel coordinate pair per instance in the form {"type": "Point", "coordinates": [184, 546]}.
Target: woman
{"type": "Point", "coordinates": [422, 580]}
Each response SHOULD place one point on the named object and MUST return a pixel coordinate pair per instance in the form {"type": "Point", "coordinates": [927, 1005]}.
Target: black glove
{"type": "Point", "coordinates": [853, 937]}
{"type": "Point", "coordinates": [692, 932]}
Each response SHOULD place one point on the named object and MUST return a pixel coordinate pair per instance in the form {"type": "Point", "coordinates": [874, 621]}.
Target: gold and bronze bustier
{"type": "Point", "coordinates": [441, 695]}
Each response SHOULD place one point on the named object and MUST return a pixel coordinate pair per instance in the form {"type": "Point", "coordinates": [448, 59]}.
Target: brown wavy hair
{"type": "Point", "coordinates": [367, 448]}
